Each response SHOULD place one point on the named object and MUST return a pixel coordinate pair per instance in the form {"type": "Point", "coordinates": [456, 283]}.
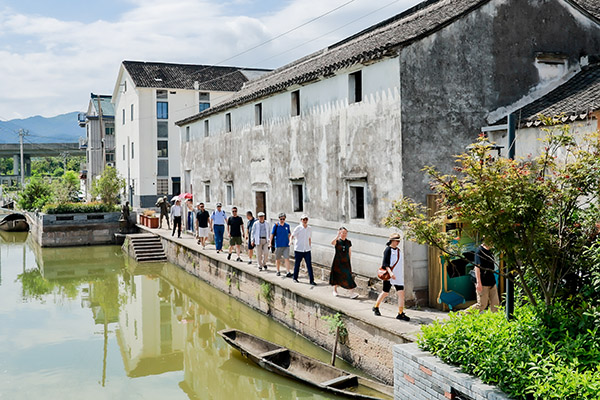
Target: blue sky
{"type": "Point", "coordinates": [54, 53]}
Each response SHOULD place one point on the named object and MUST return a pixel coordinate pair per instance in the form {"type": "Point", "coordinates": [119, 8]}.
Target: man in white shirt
{"type": "Point", "coordinates": [176, 217]}
{"type": "Point", "coordinates": [260, 233]}
{"type": "Point", "coordinates": [303, 235]}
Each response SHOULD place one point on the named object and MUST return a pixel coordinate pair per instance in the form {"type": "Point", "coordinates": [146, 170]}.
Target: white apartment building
{"type": "Point", "coordinates": [148, 98]}
{"type": "Point", "coordinates": [99, 142]}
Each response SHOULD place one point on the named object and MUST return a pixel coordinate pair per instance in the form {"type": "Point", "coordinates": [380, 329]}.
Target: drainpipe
{"type": "Point", "coordinates": [510, 288]}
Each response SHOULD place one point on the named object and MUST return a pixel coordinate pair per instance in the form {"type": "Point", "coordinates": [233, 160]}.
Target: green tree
{"type": "Point", "coordinates": [108, 186]}
{"type": "Point", "coordinates": [67, 188]}
{"type": "Point", "coordinates": [6, 166]}
{"type": "Point", "coordinates": [37, 193]}
{"type": "Point", "coordinates": [541, 213]}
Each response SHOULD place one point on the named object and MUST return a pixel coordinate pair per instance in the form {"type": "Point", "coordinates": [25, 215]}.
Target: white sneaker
{"type": "Point", "coordinates": [335, 294]}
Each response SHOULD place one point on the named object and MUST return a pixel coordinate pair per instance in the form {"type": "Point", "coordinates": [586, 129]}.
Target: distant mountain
{"type": "Point", "coordinates": [63, 128]}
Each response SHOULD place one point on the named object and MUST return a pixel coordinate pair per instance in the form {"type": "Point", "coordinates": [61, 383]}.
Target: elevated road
{"type": "Point", "coordinates": [40, 149]}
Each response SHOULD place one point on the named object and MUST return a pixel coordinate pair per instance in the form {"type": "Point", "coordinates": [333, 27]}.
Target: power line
{"type": "Point", "coordinates": [286, 32]}
{"type": "Point", "coordinates": [283, 52]}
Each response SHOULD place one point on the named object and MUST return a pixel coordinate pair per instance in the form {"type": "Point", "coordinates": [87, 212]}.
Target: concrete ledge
{"type": "Point", "coordinates": [420, 375]}
{"type": "Point", "coordinates": [301, 306]}
{"type": "Point", "coordinates": [77, 229]}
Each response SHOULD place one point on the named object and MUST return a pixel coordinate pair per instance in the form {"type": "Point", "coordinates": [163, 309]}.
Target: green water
{"type": "Point", "coordinates": [90, 323]}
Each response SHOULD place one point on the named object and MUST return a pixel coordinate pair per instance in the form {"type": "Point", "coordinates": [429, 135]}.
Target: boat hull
{"type": "Point", "coordinates": [291, 364]}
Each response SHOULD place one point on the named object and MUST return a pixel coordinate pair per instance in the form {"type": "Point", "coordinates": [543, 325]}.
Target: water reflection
{"type": "Point", "coordinates": [157, 326]}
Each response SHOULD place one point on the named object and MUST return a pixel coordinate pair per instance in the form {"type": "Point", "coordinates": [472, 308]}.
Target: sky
{"type": "Point", "coordinates": [53, 54]}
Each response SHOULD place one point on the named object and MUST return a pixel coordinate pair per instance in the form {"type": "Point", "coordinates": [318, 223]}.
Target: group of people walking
{"type": "Point", "coordinates": [261, 237]}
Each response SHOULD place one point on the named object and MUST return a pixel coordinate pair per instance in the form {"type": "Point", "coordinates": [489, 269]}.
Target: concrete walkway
{"type": "Point", "coordinates": [360, 308]}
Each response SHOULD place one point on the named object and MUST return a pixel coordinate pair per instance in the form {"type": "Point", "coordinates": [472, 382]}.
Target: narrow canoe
{"type": "Point", "coordinates": [289, 363]}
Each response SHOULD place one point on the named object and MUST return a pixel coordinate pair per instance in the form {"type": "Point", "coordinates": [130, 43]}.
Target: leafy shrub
{"type": "Point", "coordinates": [35, 195]}
{"type": "Point", "coordinates": [538, 355]}
{"type": "Point", "coordinates": [79, 208]}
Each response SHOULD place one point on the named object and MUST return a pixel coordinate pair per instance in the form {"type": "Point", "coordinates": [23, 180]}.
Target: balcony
{"type": "Point", "coordinates": [83, 143]}
{"type": "Point", "coordinates": [82, 118]}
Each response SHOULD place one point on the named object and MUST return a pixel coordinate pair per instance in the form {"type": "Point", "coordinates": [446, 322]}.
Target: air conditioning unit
{"type": "Point", "coordinates": [110, 164]}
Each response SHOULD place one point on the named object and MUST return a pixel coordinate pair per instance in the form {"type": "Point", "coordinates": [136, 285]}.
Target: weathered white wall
{"type": "Point", "coordinates": [331, 145]}
{"type": "Point", "coordinates": [529, 140]}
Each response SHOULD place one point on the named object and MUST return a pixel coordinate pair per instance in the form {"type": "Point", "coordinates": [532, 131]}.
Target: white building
{"type": "Point", "coordinates": [99, 142]}
{"type": "Point", "coordinates": [148, 98]}
{"type": "Point", "coordinates": [341, 133]}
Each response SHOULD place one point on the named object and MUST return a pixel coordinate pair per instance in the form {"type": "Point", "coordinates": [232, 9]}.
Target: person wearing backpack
{"type": "Point", "coordinates": [393, 263]}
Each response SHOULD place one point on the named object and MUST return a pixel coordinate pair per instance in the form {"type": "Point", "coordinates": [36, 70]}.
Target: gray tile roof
{"type": "Point", "coordinates": [105, 102]}
{"type": "Point", "coordinates": [591, 6]}
{"type": "Point", "coordinates": [378, 41]}
{"type": "Point", "coordinates": [183, 76]}
{"type": "Point", "coordinates": [375, 42]}
{"type": "Point", "coordinates": [572, 100]}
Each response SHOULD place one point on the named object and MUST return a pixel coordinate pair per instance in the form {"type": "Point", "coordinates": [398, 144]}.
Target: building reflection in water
{"type": "Point", "coordinates": [166, 320]}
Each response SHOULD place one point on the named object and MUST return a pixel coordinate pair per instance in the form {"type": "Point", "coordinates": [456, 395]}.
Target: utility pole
{"type": "Point", "coordinates": [64, 155]}
{"type": "Point", "coordinates": [22, 132]}
{"type": "Point", "coordinates": [102, 133]}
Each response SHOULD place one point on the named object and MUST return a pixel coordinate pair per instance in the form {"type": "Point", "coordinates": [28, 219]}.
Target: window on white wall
{"type": "Point", "coordinates": [124, 152]}
{"type": "Point", "coordinates": [162, 167]}
{"type": "Point", "coordinates": [187, 133]}
{"type": "Point", "coordinates": [132, 112]}
{"type": "Point", "coordinates": [132, 152]}
{"type": "Point", "coordinates": [162, 129]}
{"type": "Point", "coordinates": [295, 103]}
{"type": "Point", "coordinates": [298, 196]}
{"type": "Point", "coordinates": [123, 116]}
{"type": "Point", "coordinates": [162, 94]}
{"type": "Point", "coordinates": [162, 186]}
{"type": "Point", "coordinates": [258, 114]}
{"type": "Point", "coordinates": [357, 199]}
{"type": "Point", "coordinates": [355, 87]}
{"type": "Point", "coordinates": [206, 128]}
{"type": "Point", "coordinates": [229, 192]}
{"type": "Point", "coordinates": [207, 192]}
{"type": "Point", "coordinates": [204, 101]}
{"type": "Point", "coordinates": [228, 122]}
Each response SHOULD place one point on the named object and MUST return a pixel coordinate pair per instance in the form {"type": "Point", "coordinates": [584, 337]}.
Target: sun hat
{"type": "Point", "coordinates": [260, 214]}
{"type": "Point", "coordinates": [395, 236]}
{"type": "Point", "coordinates": [304, 216]}
{"type": "Point", "coordinates": [219, 205]}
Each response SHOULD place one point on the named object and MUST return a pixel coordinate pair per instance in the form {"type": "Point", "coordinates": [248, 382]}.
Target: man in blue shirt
{"type": "Point", "coordinates": [218, 219]}
{"type": "Point", "coordinates": [281, 236]}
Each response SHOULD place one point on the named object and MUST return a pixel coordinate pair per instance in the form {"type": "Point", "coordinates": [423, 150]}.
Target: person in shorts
{"type": "Point", "coordinates": [235, 230]}
{"type": "Point", "coordinates": [394, 263]}
{"type": "Point", "coordinates": [280, 236]}
{"type": "Point", "coordinates": [202, 229]}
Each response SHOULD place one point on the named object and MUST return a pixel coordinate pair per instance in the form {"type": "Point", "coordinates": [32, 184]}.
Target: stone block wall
{"type": "Point", "coordinates": [418, 375]}
{"type": "Point", "coordinates": [367, 346]}
{"type": "Point", "coordinates": [60, 230]}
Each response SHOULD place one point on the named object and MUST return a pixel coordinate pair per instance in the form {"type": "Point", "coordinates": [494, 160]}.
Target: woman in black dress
{"type": "Point", "coordinates": [341, 270]}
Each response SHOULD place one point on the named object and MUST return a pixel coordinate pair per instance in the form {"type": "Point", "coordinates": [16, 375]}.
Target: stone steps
{"type": "Point", "coordinates": [147, 248]}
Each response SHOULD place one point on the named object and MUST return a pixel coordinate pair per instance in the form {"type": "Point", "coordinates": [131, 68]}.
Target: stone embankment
{"type": "Point", "coordinates": [301, 306]}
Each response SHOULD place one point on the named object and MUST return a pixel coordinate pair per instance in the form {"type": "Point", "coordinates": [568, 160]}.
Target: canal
{"type": "Point", "coordinates": [90, 323]}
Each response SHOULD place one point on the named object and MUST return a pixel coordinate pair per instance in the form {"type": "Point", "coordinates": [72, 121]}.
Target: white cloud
{"type": "Point", "coordinates": [49, 66]}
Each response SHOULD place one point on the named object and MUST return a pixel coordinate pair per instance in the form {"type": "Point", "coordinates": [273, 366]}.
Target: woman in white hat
{"type": "Point", "coordinates": [394, 263]}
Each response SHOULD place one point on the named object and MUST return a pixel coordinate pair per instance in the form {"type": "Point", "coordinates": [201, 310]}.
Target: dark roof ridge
{"type": "Point", "coordinates": [406, 13]}
{"type": "Point", "coordinates": [193, 65]}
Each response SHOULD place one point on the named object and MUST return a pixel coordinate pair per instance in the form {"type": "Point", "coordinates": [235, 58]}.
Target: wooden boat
{"type": "Point", "coordinates": [14, 223]}
{"type": "Point", "coordinates": [292, 364]}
